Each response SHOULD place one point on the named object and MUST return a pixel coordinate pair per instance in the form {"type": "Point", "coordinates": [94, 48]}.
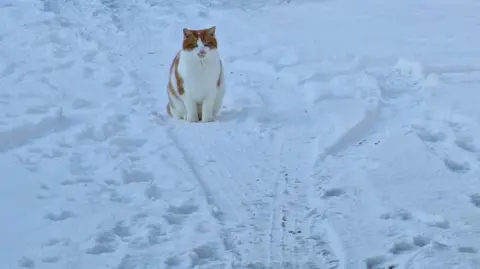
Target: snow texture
{"type": "Point", "coordinates": [349, 136]}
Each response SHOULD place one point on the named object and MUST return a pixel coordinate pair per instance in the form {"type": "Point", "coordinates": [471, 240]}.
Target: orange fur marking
{"type": "Point", "coordinates": [171, 89]}
{"type": "Point", "coordinates": [178, 78]}
{"type": "Point", "coordinates": [207, 36]}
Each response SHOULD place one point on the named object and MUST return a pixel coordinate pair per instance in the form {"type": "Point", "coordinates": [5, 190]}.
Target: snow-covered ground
{"type": "Point", "coordinates": [349, 136]}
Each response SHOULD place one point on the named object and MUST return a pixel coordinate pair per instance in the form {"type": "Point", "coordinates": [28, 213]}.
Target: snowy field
{"type": "Point", "coordinates": [349, 136]}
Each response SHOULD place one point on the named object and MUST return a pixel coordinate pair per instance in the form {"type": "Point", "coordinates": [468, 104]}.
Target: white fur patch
{"type": "Point", "coordinates": [200, 76]}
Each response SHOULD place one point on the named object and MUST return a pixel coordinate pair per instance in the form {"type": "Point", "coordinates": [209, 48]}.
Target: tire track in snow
{"type": "Point", "coordinates": [217, 212]}
{"type": "Point", "coordinates": [290, 208]}
{"type": "Point", "coordinates": [297, 235]}
{"type": "Point", "coordinates": [293, 235]}
{"type": "Point", "coordinates": [266, 206]}
{"type": "Point", "coordinates": [229, 171]}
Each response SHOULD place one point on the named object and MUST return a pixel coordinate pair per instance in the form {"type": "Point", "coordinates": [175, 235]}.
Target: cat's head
{"type": "Point", "coordinates": [200, 42]}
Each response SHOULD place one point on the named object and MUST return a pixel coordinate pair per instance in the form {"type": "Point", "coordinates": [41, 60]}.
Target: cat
{"type": "Point", "coordinates": [196, 85]}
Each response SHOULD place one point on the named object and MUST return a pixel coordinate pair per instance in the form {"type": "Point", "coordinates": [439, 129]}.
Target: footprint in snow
{"type": "Point", "coordinates": [172, 262]}
{"type": "Point", "coordinates": [404, 246]}
{"type": "Point", "coordinates": [121, 229]}
{"type": "Point", "coordinates": [128, 262]}
{"type": "Point", "coordinates": [51, 259]}
{"type": "Point", "coordinates": [80, 103]}
{"type": "Point", "coordinates": [105, 242]}
{"type": "Point", "coordinates": [110, 128]}
{"type": "Point", "coordinates": [409, 244]}
{"type": "Point", "coordinates": [137, 176]}
{"type": "Point", "coordinates": [460, 142]}
{"type": "Point", "coordinates": [8, 70]}
{"type": "Point", "coordinates": [115, 81]}
{"type": "Point", "coordinates": [466, 143]}
{"type": "Point", "coordinates": [108, 241]}
{"type": "Point", "coordinates": [59, 216]}
{"type": "Point", "coordinates": [467, 249]}
{"type": "Point", "coordinates": [153, 192]}
{"type": "Point", "coordinates": [333, 192]}
{"type": "Point", "coordinates": [400, 214]}
{"type": "Point", "coordinates": [457, 166]}
{"type": "Point", "coordinates": [56, 241]}
{"type": "Point", "coordinates": [475, 199]}
{"type": "Point", "coordinates": [155, 235]}
{"type": "Point", "coordinates": [78, 181]}
{"type": "Point", "coordinates": [177, 214]}
{"type": "Point", "coordinates": [427, 219]}
{"type": "Point", "coordinates": [203, 254]}
{"type": "Point", "coordinates": [137, 261]}
{"type": "Point", "coordinates": [89, 56]}
{"type": "Point", "coordinates": [26, 262]}
{"type": "Point", "coordinates": [427, 135]}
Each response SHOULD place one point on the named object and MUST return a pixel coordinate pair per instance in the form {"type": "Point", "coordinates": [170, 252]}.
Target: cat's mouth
{"type": "Point", "coordinates": [202, 54]}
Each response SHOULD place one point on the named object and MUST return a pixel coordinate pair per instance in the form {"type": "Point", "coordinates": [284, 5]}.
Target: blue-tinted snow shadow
{"type": "Point", "coordinates": [242, 114]}
{"type": "Point", "coordinates": [233, 115]}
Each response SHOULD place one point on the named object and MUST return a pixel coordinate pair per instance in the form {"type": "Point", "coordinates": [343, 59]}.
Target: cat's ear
{"type": "Point", "coordinates": [211, 30]}
{"type": "Point", "coordinates": [186, 33]}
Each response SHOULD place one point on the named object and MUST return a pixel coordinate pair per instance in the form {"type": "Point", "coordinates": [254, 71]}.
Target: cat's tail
{"type": "Point", "coordinates": [175, 108]}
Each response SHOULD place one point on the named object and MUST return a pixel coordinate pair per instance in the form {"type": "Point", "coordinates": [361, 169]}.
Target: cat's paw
{"type": "Point", "coordinates": [193, 118]}
{"type": "Point", "coordinates": [208, 119]}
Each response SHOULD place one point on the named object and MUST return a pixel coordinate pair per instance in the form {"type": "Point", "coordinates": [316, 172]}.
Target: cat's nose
{"type": "Point", "coordinates": [202, 52]}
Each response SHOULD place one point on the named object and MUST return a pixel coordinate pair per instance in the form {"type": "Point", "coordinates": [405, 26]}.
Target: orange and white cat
{"type": "Point", "coordinates": [196, 86]}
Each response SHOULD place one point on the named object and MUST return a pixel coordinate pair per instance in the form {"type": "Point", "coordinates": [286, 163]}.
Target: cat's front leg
{"type": "Point", "coordinates": [191, 109]}
{"type": "Point", "coordinates": [208, 106]}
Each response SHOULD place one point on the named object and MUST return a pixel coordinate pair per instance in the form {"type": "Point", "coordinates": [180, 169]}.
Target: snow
{"type": "Point", "coordinates": [349, 136]}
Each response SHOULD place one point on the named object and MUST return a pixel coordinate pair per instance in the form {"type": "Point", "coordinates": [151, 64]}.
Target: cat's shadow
{"type": "Point", "coordinates": [225, 115]}
{"type": "Point", "coordinates": [237, 115]}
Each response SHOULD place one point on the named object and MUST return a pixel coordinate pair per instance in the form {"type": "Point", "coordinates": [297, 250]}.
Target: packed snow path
{"type": "Point", "coordinates": [349, 137]}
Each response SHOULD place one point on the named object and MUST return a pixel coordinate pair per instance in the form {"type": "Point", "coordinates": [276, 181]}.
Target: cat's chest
{"type": "Point", "coordinates": [201, 80]}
